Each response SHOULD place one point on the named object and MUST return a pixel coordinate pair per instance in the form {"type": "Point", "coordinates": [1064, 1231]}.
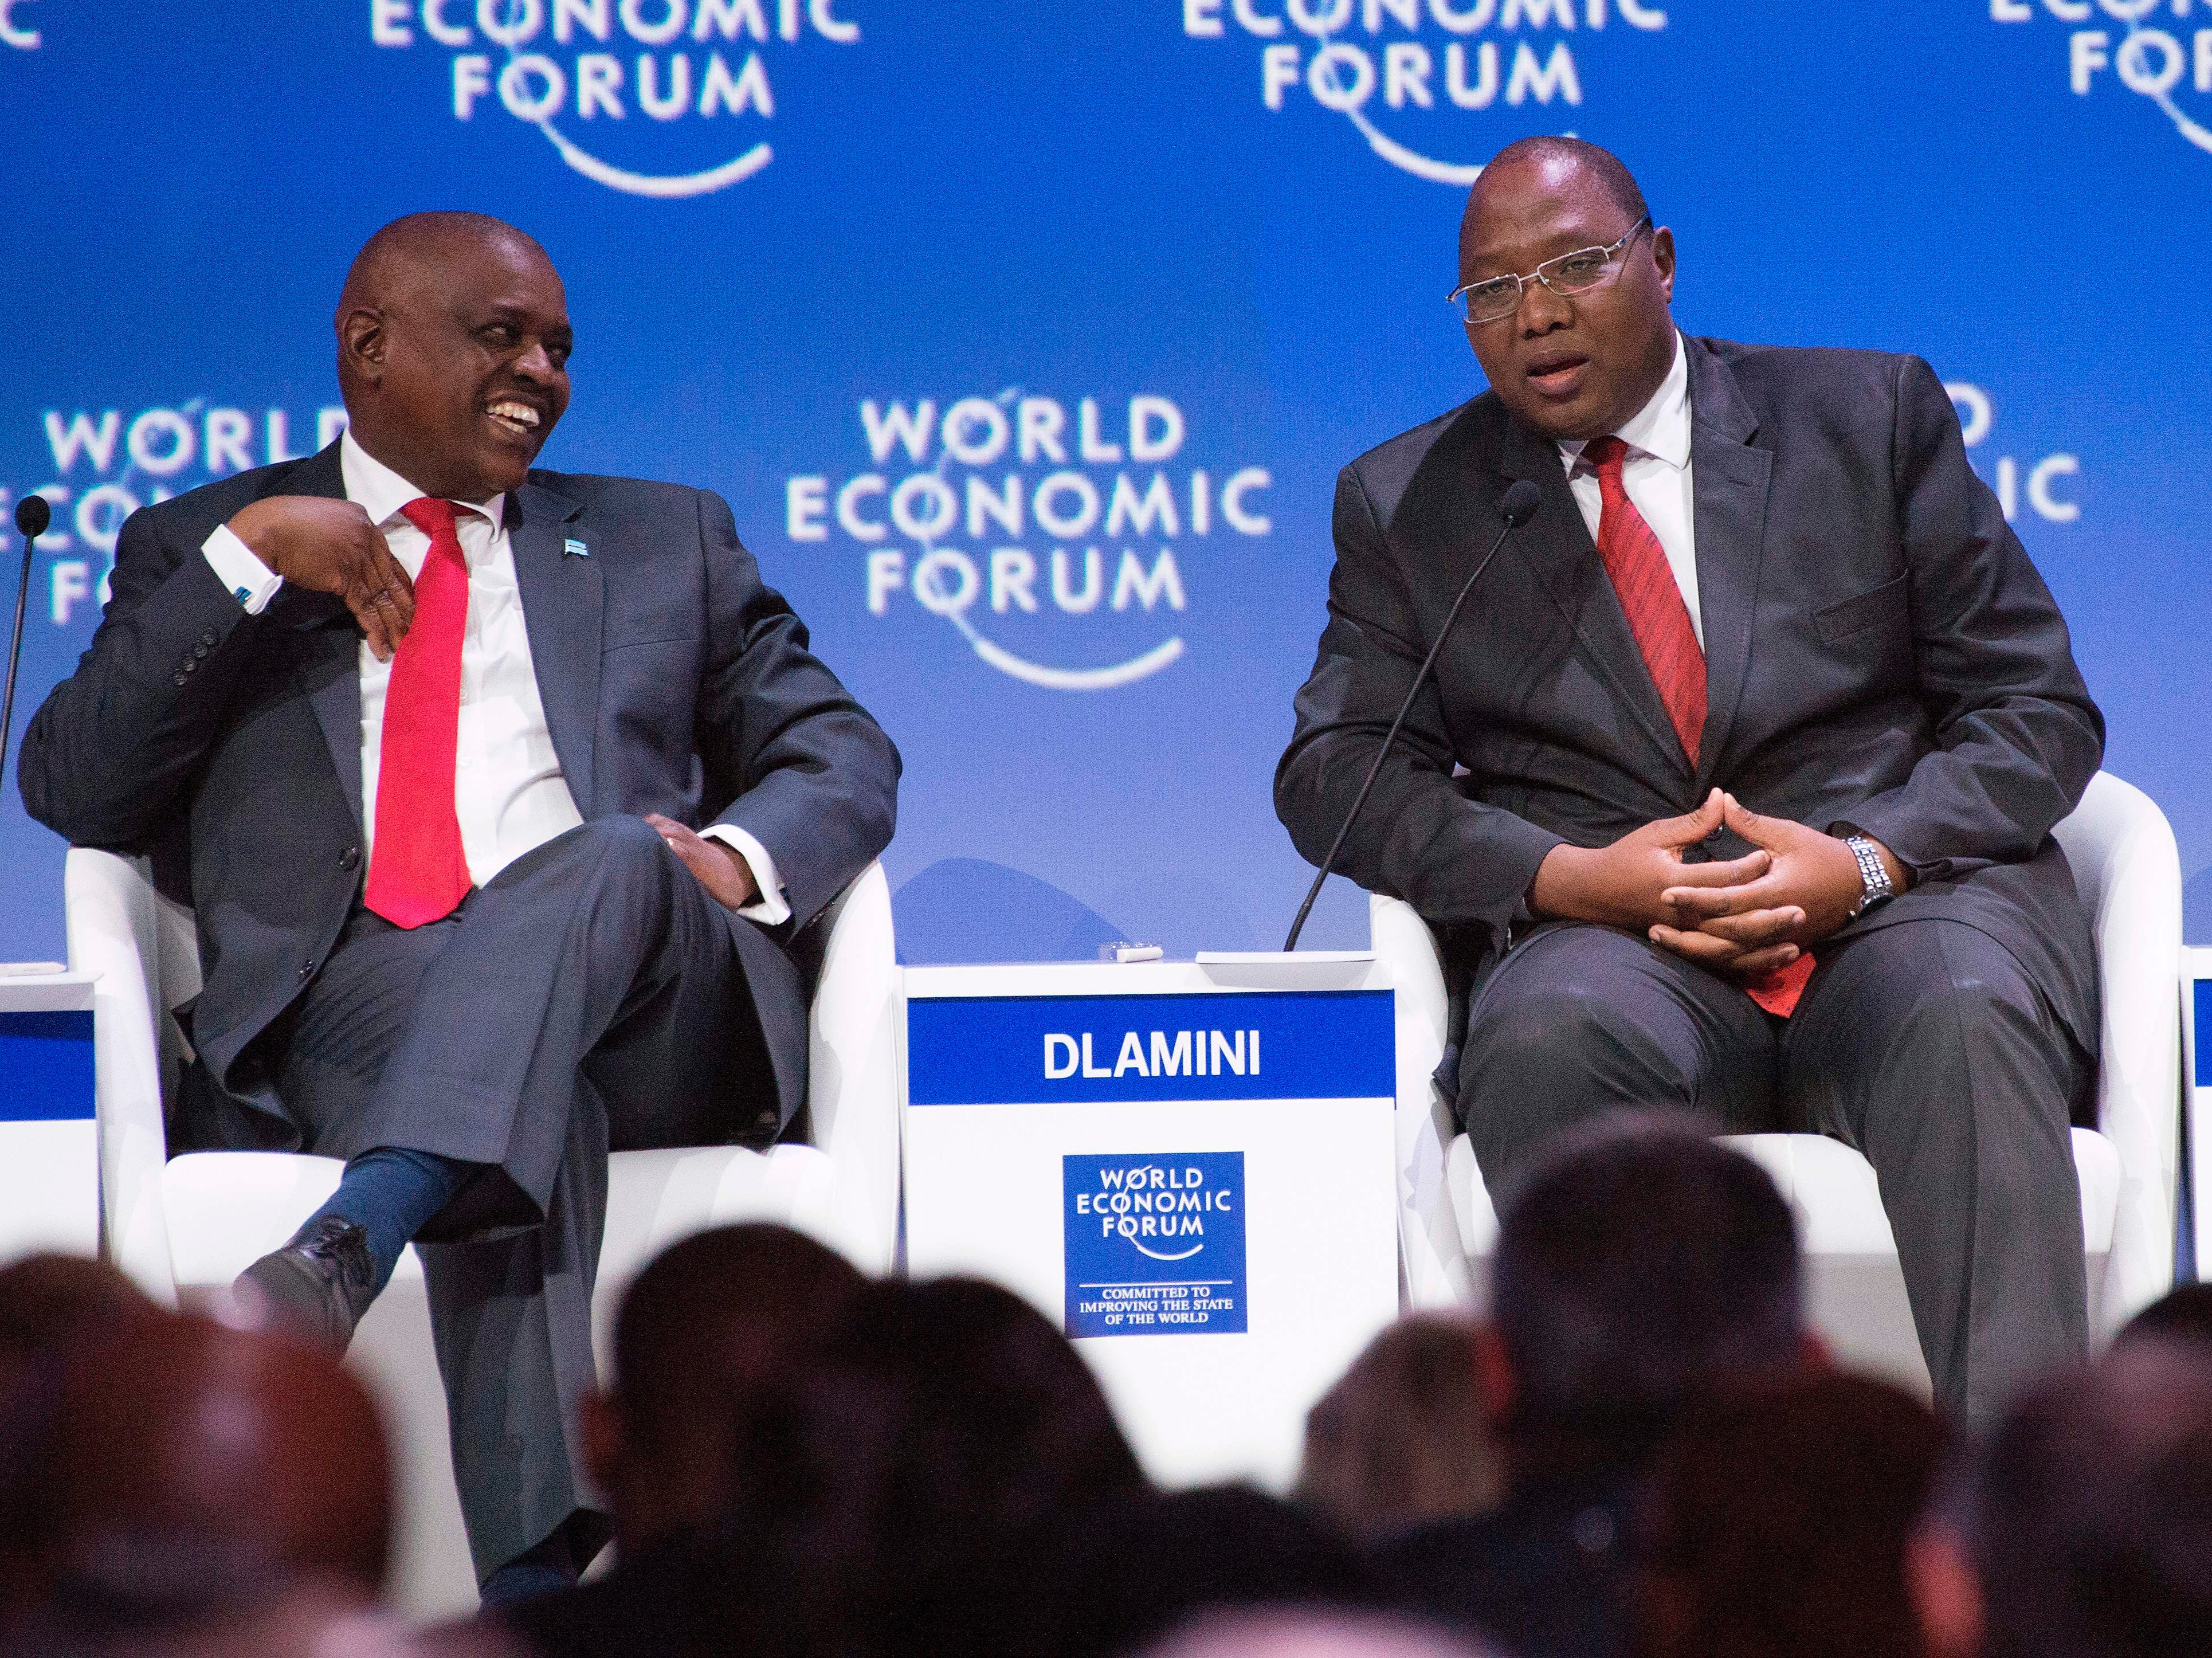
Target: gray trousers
{"type": "Point", "coordinates": [588, 998]}
{"type": "Point", "coordinates": [1923, 1044]}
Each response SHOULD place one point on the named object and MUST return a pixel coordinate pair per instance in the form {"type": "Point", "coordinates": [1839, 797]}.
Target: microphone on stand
{"type": "Point", "coordinates": [31, 517]}
{"type": "Point", "coordinates": [1516, 507]}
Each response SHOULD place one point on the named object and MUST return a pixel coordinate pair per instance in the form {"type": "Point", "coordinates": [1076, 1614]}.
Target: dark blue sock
{"type": "Point", "coordinates": [545, 1570]}
{"type": "Point", "coordinates": [393, 1193]}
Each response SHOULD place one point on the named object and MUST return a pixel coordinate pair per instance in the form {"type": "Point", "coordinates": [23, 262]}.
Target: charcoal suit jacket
{"type": "Point", "coordinates": [1880, 653]}
{"type": "Point", "coordinates": [674, 680]}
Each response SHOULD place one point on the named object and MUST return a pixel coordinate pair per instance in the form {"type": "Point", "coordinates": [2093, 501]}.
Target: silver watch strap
{"type": "Point", "coordinates": [1874, 879]}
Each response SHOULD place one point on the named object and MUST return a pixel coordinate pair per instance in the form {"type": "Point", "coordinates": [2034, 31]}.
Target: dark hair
{"type": "Point", "coordinates": [2183, 1312]}
{"type": "Point", "coordinates": [46, 1300]}
{"type": "Point", "coordinates": [1638, 1265]}
{"type": "Point", "coordinates": [2089, 1511]}
{"type": "Point", "coordinates": [1130, 1572]}
{"type": "Point", "coordinates": [1400, 1439]}
{"type": "Point", "coordinates": [898, 1489]}
{"type": "Point", "coordinates": [714, 1317]}
{"type": "Point", "coordinates": [1776, 1523]}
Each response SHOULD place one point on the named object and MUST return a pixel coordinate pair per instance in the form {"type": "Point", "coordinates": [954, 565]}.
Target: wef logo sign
{"type": "Point", "coordinates": [2164, 65]}
{"type": "Point", "coordinates": [1405, 74]}
{"type": "Point", "coordinates": [647, 97]}
{"type": "Point", "coordinates": [1062, 539]}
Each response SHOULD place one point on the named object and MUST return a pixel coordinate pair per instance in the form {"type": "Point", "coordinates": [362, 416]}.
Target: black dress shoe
{"type": "Point", "coordinates": [317, 1287]}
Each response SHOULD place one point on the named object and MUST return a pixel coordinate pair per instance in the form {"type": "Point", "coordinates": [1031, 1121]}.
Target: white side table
{"type": "Point", "coordinates": [1189, 1166]}
{"type": "Point", "coordinates": [49, 1141]}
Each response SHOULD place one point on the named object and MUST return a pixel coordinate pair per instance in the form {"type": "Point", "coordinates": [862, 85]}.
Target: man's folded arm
{"type": "Point", "coordinates": [109, 755]}
{"type": "Point", "coordinates": [1419, 837]}
{"type": "Point", "coordinates": [806, 773]}
{"type": "Point", "coordinates": [2017, 736]}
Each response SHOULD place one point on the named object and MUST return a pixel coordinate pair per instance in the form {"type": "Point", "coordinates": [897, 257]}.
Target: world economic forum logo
{"type": "Point", "coordinates": [1154, 1244]}
{"type": "Point", "coordinates": [659, 98]}
{"type": "Point", "coordinates": [2163, 65]}
{"type": "Point", "coordinates": [1053, 535]}
{"type": "Point", "coordinates": [1406, 73]}
{"type": "Point", "coordinates": [15, 33]}
{"type": "Point", "coordinates": [99, 465]}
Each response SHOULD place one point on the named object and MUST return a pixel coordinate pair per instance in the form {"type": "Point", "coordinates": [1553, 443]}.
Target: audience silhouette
{"type": "Point", "coordinates": [1641, 1451]}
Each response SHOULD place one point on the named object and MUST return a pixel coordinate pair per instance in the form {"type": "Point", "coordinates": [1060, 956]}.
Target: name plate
{"type": "Point", "coordinates": [1050, 1050]}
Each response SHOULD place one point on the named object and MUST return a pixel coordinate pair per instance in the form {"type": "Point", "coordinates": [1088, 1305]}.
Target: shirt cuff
{"type": "Point", "coordinates": [772, 908]}
{"type": "Point", "coordinates": [252, 583]}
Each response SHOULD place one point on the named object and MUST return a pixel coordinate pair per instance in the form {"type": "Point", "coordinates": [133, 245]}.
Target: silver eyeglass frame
{"type": "Point", "coordinates": [1521, 282]}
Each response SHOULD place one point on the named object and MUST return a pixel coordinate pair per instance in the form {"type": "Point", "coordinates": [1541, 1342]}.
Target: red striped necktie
{"type": "Point", "coordinates": [1660, 622]}
{"type": "Point", "coordinates": [417, 872]}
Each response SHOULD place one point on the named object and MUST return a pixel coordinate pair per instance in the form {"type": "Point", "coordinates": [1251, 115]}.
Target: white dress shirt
{"type": "Point", "coordinates": [1656, 477]}
{"type": "Point", "coordinates": [509, 790]}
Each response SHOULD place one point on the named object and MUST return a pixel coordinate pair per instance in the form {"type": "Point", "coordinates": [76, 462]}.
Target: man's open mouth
{"type": "Point", "coordinates": [511, 415]}
{"type": "Point", "coordinates": [1558, 373]}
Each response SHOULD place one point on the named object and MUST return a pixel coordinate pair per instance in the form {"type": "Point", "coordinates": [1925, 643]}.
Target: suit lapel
{"type": "Point", "coordinates": [1730, 479]}
{"type": "Point", "coordinates": [1558, 546]}
{"type": "Point", "coordinates": [562, 597]}
{"type": "Point", "coordinates": [328, 664]}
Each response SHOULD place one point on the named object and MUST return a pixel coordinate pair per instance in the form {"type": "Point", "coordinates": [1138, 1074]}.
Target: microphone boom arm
{"type": "Point", "coordinates": [1518, 506]}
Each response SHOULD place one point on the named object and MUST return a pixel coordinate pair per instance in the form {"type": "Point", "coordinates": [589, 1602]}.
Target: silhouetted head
{"type": "Point", "coordinates": [1572, 364]}
{"type": "Point", "coordinates": [1129, 1572]}
{"type": "Point", "coordinates": [49, 1300]}
{"type": "Point", "coordinates": [177, 1469]}
{"type": "Point", "coordinates": [1777, 1519]}
{"type": "Point", "coordinates": [1640, 1266]}
{"type": "Point", "coordinates": [2085, 1527]}
{"type": "Point", "coordinates": [2183, 1313]}
{"type": "Point", "coordinates": [454, 343]}
{"type": "Point", "coordinates": [706, 1327]}
{"type": "Point", "coordinates": [1400, 1438]}
{"type": "Point", "coordinates": [898, 1487]}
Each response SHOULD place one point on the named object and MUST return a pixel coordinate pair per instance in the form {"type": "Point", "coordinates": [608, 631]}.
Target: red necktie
{"type": "Point", "coordinates": [1650, 596]}
{"type": "Point", "coordinates": [416, 871]}
{"type": "Point", "coordinates": [1660, 622]}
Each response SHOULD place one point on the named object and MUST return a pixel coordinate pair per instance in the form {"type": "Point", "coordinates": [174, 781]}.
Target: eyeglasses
{"type": "Point", "coordinates": [1586, 267]}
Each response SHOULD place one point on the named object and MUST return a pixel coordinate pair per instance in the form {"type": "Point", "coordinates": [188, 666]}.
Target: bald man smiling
{"type": "Point", "coordinates": [505, 795]}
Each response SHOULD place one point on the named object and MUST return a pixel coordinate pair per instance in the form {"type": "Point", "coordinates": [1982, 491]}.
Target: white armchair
{"type": "Point", "coordinates": [193, 1222]}
{"type": "Point", "coordinates": [2128, 874]}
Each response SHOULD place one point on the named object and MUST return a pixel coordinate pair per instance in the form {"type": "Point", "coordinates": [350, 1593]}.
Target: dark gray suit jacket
{"type": "Point", "coordinates": [674, 681]}
{"type": "Point", "coordinates": [1879, 652]}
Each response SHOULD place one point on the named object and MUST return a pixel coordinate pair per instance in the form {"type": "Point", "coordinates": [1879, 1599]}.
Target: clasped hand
{"type": "Point", "coordinates": [1746, 918]}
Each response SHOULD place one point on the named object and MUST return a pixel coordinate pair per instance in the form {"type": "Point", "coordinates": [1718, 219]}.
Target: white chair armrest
{"type": "Point", "coordinates": [112, 923]}
{"type": "Point", "coordinates": [1431, 1253]}
{"type": "Point", "coordinates": [853, 1066]}
{"type": "Point", "coordinates": [2128, 871]}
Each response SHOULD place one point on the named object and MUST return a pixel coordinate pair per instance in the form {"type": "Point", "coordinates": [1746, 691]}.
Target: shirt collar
{"type": "Point", "coordinates": [1661, 428]}
{"type": "Point", "coordinates": [381, 492]}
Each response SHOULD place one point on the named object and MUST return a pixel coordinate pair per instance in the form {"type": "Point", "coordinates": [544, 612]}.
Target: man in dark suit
{"type": "Point", "coordinates": [432, 730]}
{"type": "Point", "coordinates": [1763, 722]}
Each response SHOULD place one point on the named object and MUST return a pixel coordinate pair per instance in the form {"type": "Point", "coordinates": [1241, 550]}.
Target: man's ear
{"type": "Point", "coordinates": [362, 340]}
{"type": "Point", "coordinates": [1494, 1380]}
{"type": "Point", "coordinates": [1662, 255]}
{"type": "Point", "coordinates": [1947, 1596]}
{"type": "Point", "coordinates": [598, 1425]}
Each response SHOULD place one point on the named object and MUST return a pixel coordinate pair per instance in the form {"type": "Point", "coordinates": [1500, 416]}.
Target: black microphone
{"type": "Point", "coordinates": [31, 517]}
{"type": "Point", "coordinates": [1517, 507]}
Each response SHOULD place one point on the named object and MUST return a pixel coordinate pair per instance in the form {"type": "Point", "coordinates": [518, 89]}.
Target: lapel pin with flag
{"type": "Point", "coordinates": [573, 548]}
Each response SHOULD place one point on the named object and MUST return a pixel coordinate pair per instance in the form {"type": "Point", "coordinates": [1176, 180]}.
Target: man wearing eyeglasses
{"type": "Point", "coordinates": [1734, 786]}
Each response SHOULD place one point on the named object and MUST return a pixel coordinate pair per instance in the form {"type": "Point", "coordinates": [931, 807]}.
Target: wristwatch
{"type": "Point", "coordinates": [1874, 877]}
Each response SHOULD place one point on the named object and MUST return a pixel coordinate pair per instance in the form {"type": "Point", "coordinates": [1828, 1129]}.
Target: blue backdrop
{"type": "Point", "coordinates": [1026, 339]}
